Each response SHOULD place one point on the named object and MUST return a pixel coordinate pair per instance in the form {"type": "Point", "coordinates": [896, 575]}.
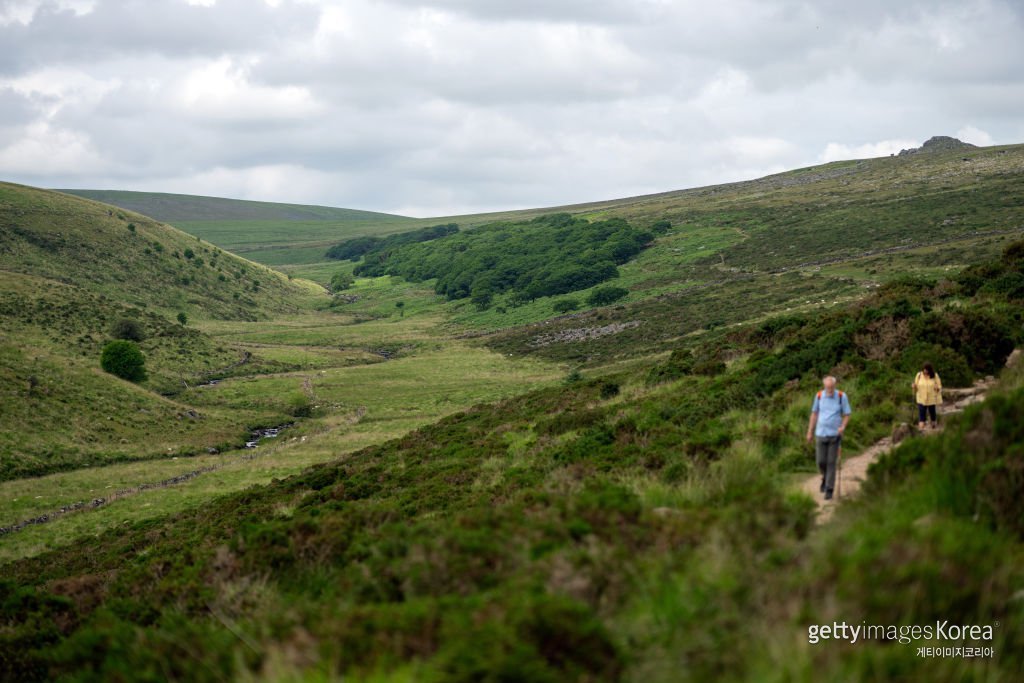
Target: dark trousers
{"type": "Point", "coordinates": [827, 453]}
{"type": "Point", "coordinates": [926, 411]}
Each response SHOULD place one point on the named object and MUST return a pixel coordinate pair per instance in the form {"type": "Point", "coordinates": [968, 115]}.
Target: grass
{"type": "Point", "coordinates": [357, 404]}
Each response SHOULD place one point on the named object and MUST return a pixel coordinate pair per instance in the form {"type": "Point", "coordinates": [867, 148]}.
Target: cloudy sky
{"type": "Point", "coordinates": [432, 107]}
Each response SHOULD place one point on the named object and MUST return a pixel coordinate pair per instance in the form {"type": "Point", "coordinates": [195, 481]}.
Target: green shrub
{"type": "Point", "coordinates": [602, 296]}
{"type": "Point", "coordinates": [679, 364]}
{"type": "Point", "coordinates": [124, 359]}
{"type": "Point", "coordinates": [609, 389]}
{"type": "Point", "coordinates": [565, 305]}
{"type": "Point", "coordinates": [300, 405]}
{"type": "Point", "coordinates": [341, 281]}
{"type": "Point", "coordinates": [981, 338]}
{"type": "Point", "coordinates": [182, 319]}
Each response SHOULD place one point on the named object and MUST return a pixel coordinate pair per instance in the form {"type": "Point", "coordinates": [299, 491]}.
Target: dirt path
{"type": "Point", "coordinates": [855, 469]}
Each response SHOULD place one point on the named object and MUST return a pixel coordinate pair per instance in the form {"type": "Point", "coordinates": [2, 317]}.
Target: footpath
{"type": "Point", "coordinates": [855, 469]}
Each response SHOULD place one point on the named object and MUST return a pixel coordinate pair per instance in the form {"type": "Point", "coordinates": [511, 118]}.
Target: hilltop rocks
{"type": "Point", "coordinates": [939, 143]}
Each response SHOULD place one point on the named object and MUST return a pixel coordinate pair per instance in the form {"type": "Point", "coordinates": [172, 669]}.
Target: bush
{"type": "Point", "coordinates": [565, 305]}
{"type": "Point", "coordinates": [129, 329]}
{"type": "Point", "coordinates": [606, 295]}
{"type": "Point", "coordinates": [189, 254]}
{"type": "Point", "coordinates": [341, 281]}
{"type": "Point", "coordinates": [182, 319]}
{"type": "Point", "coordinates": [482, 298]}
{"type": "Point", "coordinates": [124, 359]}
{"type": "Point", "coordinates": [981, 338]}
{"type": "Point", "coordinates": [679, 364]}
{"type": "Point", "coordinates": [300, 405]}
{"type": "Point", "coordinates": [609, 389]}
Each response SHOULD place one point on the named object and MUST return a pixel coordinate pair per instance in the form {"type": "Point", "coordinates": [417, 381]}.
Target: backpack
{"type": "Point", "coordinates": [837, 391]}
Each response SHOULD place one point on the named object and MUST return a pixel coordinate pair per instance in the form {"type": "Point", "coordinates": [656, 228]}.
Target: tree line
{"type": "Point", "coordinates": [357, 247]}
{"type": "Point", "coordinates": [546, 256]}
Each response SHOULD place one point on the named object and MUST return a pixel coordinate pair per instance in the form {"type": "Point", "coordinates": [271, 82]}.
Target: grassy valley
{"type": "Point", "coordinates": [497, 465]}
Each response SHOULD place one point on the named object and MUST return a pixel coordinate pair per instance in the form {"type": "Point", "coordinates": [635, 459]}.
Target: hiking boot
{"type": "Point", "coordinates": [828, 494]}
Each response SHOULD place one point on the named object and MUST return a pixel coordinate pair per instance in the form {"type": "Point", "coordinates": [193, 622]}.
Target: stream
{"type": "Point", "coordinates": [256, 436]}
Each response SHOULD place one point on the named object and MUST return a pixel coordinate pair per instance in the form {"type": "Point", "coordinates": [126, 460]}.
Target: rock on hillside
{"type": "Point", "coordinates": [939, 143]}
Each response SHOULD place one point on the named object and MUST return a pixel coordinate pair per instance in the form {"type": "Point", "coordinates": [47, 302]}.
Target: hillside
{"type": "Point", "coordinates": [257, 229]}
{"type": "Point", "coordinates": [132, 258]}
{"type": "Point", "coordinates": [172, 208]}
{"type": "Point", "coordinates": [72, 269]}
{"type": "Point", "coordinates": [632, 526]}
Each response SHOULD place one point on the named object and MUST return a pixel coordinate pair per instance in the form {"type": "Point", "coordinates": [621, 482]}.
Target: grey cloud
{"type": "Point", "coordinates": [490, 105]}
{"type": "Point", "coordinates": [168, 27]}
{"type": "Point", "coordinates": [15, 108]}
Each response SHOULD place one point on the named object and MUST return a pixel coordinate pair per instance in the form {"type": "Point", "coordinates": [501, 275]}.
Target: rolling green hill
{"type": "Point", "coordinates": [267, 232]}
{"type": "Point", "coordinates": [135, 258]}
{"type": "Point", "coordinates": [70, 269]}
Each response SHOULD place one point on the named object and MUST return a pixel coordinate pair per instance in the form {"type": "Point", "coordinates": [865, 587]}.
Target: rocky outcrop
{"type": "Point", "coordinates": [939, 143]}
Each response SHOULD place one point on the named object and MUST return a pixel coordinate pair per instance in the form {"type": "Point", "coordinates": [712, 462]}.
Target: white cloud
{"type": "Point", "coordinates": [975, 136]}
{"type": "Point", "coordinates": [42, 149]}
{"type": "Point", "coordinates": [836, 151]}
{"type": "Point", "coordinates": [221, 90]}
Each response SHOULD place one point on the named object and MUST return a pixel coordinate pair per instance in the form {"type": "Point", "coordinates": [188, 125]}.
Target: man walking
{"type": "Point", "coordinates": [830, 413]}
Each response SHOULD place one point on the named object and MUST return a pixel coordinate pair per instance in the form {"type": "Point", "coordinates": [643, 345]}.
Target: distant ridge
{"type": "Point", "coordinates": [171, 208]}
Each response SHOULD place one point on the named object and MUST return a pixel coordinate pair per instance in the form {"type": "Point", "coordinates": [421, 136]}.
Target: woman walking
{"type": "Point", "coordinates": [928, 392]}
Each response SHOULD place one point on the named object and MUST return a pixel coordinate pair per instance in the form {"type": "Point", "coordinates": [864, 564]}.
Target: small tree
{"type": "Point", "coordinates": [123, 358]}
{"type": "Point", "coordinates": [400, 305]}
{"type": "Point", "coordinates": [341, 281]}
{"type": "Point", "coordinates": [482, 298]}
{"type": "Point", "coordinates": [565, 305]}
{"type": "Point", "coordinates": [182, 319]}
{"type": "Point", "coordinates": [606, 295]}
{"type": "Point", "coordinates": [126, 328]}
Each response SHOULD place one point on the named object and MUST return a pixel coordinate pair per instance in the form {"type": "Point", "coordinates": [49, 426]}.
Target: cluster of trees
{"type": "Point", "coordinates": [358, 247]}
{"type": "Point", "coordinates": [547, 256]}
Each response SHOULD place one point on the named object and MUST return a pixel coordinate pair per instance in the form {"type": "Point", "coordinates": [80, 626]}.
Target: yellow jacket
{"type": "Point", "coordinates": [929, 389]}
